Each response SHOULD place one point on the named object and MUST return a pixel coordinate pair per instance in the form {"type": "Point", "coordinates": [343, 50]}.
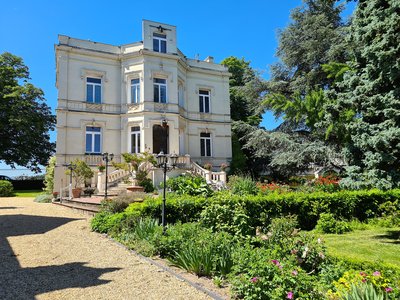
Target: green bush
{"type": "Point", "coordinates": [205, 253]}
{"type": "Point", "coordinates": [147, 184]}
{"type": "Point", "coordinates": [287, 241]}
{"type": "Point", "coordinates": [105, 222]}
{"type": "Point", "coordinates": [189, 185]}
{"type": "Point", "coordinates": [229, 216]}
{"type": "Point", "coordinates": [242, 185]}
{"type": "Point", "coordinates": [281, 231]}
{"type": "Point", "coordinates": [176, 236]}
{"type": "Point", "coordinates": [195, 258]}
{"type": "Point", "coordinates": [145, 229]}
{"type": "Point", "coordinates": [183, 208]}
{"type": "Point", "coordinates": [308, 207]}
{"type": "Point", "coordinates": [141, 234]}
{"type": "Point", "coordinates": [6, 188]}
{"type": "Point", "coordinates": [49, 177]}
{"type": "Point", "coordinates": [120, 203]}
{"type": "Point", "coordinates": [43, 198]}
{"type": "Point", "coordinates": [328, 224]}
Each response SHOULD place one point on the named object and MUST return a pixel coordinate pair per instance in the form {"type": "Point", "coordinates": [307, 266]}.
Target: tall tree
{"type": "Point", "coordinates": [25, 120]}
{"type": "Point", "coordinates": [297, 90]}
{"type": "Point", "coordinates": [245, 87]}
{"type": "Point", "coordinates": [313, 38]}
{"type": "Point", "coordinates": [372, 89]}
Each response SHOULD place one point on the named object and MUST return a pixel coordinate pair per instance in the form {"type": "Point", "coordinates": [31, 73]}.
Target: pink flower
{"type": "Point", "coordinates": [363, 280]}
{"type": "Point", "coordinates": [376, 273]}
{"type": "Point", "coordinates": [294, 273]}
{"type": "Point", "coordinates": [275, 262]}
{"type": "Point", "coordinates": [289, 295]}
{"type": "Point", "coordinates": [388, 289]}
{"type": "Point", "coordinates": [254, 279]}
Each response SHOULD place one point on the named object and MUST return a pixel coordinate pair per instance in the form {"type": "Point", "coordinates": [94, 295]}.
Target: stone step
{"type": "Point", "coordinates": [91, 211]}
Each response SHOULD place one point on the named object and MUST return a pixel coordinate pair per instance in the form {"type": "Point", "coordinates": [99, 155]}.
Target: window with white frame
{"type": "Point", "coordinates": [204, 101]}
{"type": "Point", "coordinates": [159, 42]}
{"type": "Point", "coordinates": [160, 90]}
{"type": "Point", "coordinates": [93, 90]}
{"type": "Point", "coordinates": [93, 139]}
{"type": "Point", "coordinates": [205, 144]}
{"type": "Point", "coordinates": [135, 139]}
{"type": "Point", "coordinates": [135, 91]}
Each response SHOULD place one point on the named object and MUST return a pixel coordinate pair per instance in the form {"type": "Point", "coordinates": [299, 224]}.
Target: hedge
{"type": "Point", "coordinates": [6, 188]}
{"type": "Point", "coordinates": [261, 208]}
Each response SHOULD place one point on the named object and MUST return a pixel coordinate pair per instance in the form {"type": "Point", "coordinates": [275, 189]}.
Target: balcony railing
{"type": "Point", "coordinates": [91, 159]}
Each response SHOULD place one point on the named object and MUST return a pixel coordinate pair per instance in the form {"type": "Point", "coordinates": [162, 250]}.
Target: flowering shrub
{"type": "Point", "coordinates": [258, 275]}
{"type": "Point", "coordinates": [266, 188]}
{"type": "Point", "coordinates": [329, 183]}
{"type": "Point", "coordinates": [382, 284]}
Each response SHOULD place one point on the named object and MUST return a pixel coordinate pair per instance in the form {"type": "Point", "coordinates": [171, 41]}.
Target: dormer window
{"type": "Point", "coordinates": [159, 42]}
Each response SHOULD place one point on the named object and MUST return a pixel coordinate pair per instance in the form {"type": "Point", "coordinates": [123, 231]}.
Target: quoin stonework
{"type": "Point", "coordinates": [115, 98]}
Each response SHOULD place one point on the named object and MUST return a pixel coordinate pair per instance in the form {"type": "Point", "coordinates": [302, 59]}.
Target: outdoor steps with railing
{"type": "Point", "coordinates": [211, 177]}
{"type": "Point", "coordinates": [89, 206]}
{"type": "Point", "coordinates": [115, 190]}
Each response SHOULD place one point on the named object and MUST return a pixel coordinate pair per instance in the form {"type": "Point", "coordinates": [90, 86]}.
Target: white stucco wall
{"type": "Point", "coordinates": [116, 66]}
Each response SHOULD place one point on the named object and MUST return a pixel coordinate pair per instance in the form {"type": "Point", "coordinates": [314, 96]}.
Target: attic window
{"type": "Point", "coordinates": [159, 42]}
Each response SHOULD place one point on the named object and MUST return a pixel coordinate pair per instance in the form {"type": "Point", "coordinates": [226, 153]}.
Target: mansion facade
{"type": "Point", "coordinates": [144, 96]}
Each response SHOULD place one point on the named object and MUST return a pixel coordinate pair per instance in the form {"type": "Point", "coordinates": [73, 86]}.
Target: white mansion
{"type": "Point", "coordinates": [114, 99]}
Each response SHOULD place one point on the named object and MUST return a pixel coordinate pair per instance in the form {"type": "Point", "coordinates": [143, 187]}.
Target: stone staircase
{"type": "Point", "coordinates": [115, 189]}
{"type": "Point", "coordinates": [89, 206]}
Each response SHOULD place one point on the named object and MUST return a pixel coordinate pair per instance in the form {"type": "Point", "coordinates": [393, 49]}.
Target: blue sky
{"type": "Point", "coordinates": [217, 28]}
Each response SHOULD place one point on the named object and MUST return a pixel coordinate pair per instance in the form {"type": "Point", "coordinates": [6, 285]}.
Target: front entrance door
{"type": "Point", "coordinates": [160, 139]}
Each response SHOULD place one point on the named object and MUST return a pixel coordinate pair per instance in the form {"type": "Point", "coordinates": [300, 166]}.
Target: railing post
{"type": "Point", "coordinates": [208, 176]}
{"type": "Point", "coordinates": [187, 160]}
{"type": "Point", "coordinates": [222, 177]}
{"type": "Point", "coordinates": [100, 182]}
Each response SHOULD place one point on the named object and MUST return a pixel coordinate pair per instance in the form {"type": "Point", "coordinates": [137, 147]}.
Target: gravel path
{"type": "Point", "coordinates": [49, 252]}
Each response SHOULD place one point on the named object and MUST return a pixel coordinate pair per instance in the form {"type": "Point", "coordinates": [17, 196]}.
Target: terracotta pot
{"type": "Point", "coordinates": [76, 193]}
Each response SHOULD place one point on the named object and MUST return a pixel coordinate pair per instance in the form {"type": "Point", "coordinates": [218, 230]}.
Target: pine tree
{"type": "Point", "coordinates": [372, 89]}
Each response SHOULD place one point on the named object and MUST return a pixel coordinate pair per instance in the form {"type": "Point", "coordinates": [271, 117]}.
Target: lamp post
{"type": "Point", "coordinates": [166, 163]}
{"type": "Point", "coordinates": [107, 157]}
{"type": "Point", "coordinates": [70, 167]}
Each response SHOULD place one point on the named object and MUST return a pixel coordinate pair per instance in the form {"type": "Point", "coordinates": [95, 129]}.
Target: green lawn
{"type": "Point", "coordinates": [373, 245]}
{"type": "Point", "coordinates": [27, 193]}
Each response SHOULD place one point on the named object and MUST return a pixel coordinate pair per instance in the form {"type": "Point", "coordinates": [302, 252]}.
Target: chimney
{"type": "Point", "coordinates": [209, 59]}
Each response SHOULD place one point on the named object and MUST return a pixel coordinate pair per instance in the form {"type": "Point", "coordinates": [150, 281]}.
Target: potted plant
{"type": "Point", "coordinates": [223, 167]}
{"type": "Point", "coordinates": [80, 173]}
{"type": "Point", "coordinates": [101, 167]}
{"type": "Point", "coordinates": [208, 166]}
